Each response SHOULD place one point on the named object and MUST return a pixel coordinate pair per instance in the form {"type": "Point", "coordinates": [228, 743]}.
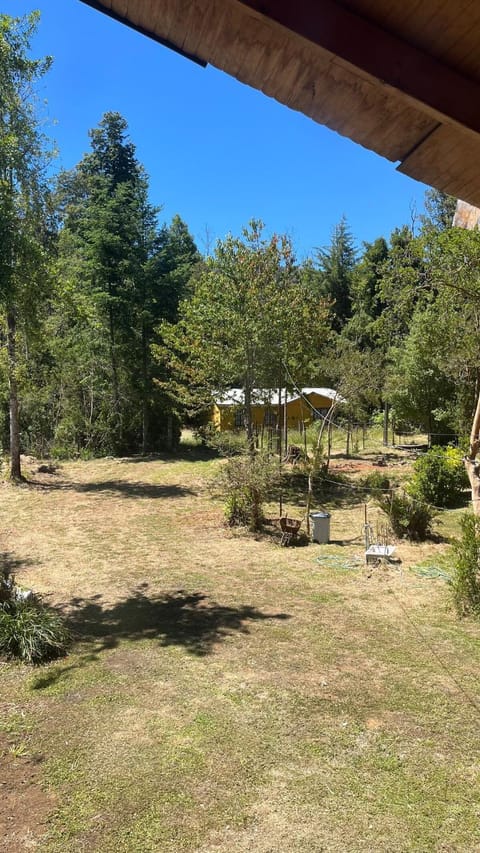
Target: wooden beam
{"type": "Point", "coordinates": [124, 19]}
{"type": "Point", "coordinates": [447, 94]}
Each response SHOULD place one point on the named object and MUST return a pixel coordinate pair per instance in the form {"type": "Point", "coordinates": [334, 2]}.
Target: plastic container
{"type": "Point", "coordinates": [320, 527]}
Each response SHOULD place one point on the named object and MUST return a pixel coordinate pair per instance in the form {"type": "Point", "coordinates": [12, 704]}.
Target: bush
{"type": "Point", "coordinates": [376, 483]}
{"type": "Point", "coordinates": [466, 578]}
{"type": "Point", "coordinates": [439, 477]}
{"type": "Point", "coordinates": [226, 443]}
{"type": "Point", "coordinates": [245, 481]}
{"type": "Point", "coordinates": [408, 518]}
{"type": "Point", "coordinates": [31, 633]}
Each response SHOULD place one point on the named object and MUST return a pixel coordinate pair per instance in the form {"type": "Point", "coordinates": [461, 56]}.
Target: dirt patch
{"type": "Point", "coordinates": [24, 805]}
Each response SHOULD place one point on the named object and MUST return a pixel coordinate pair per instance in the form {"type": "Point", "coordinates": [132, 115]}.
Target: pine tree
{"type": "Point", "coordinates": [24, 212]}
{"type": "Point", "coordinates": [336, 264]}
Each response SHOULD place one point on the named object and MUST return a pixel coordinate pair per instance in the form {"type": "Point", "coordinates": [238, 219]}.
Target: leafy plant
{"type": "Point", "coordinates": [225, 443]}
{"type": "Point", "coordinates": [439, 477]}
{"type": "Point", "coordinates": [31, 632]}
{"type": "Point", "coordinates": [408, 518]}
{"type": "Point", "coordinates": [246, 481]}
{"type": "Point", "coordinates": [376, 482]}
{"type": "Point", "coordinates": [466, 578]}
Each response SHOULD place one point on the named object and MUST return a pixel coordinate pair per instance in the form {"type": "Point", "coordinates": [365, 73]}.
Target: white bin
{"type": "Point", "coordinates": [320, 527]}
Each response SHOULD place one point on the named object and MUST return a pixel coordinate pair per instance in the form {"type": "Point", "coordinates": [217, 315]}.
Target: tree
{"type": "Point", "coordinates": [336, 265]}
{"type": "Point", "coordinates": [439, 211]}
{"type": "Point", "coordinates": [454, 257]}
{"type": "Point", "coordinates": [251, 318]}
{"type": "Point", "coordinates": [23, 200]}
{"type": "Point", "coordinates": [120, 274]}
{"type": "Point", "coordinates": [418, 387]}
{"type": "Point", "coordinates": [367, 303]}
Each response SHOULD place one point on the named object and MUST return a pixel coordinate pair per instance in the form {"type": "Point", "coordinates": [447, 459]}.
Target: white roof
{"type": "Point", "coordinates": [324, 392]}
{"type": "Point", "coordinates": [235, 396]}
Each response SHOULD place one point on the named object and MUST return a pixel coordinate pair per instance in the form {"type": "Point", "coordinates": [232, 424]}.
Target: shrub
{"type": "Point", "coordinates": [245, 481]}
{"type": "Point", "coordinates": [225, 443]}
{"type": "Point", "coordinates": [31, 633]}
{"type": "Point", "coordinates": [466, 577]}
{"type": "Point", "coordinates": [376, 483]}
{"type": "Point", "coordinates": [407, 517]}
{"type": "Point", "coordinates": [439, 477]}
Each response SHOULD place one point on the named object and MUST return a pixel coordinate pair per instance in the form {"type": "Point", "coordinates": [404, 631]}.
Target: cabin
{"type": "Point", "coordinates": [303, 407]}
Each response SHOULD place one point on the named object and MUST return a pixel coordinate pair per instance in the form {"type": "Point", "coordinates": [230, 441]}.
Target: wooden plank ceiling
{"type": "Point", "coordinates": [400, 77]}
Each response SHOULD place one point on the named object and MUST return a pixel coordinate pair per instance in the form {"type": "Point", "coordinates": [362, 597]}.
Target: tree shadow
{"type": "Point", "coordinates": [181, 618]}
{"type": "Point", "coordinates": [183, 453]}
{"type": "Point", "coordinates": [120, 487]}
{"type": "Point", "coordinates": [10, 565]}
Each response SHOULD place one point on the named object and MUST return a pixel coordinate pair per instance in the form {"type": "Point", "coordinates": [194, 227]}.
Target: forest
{"type": "Point", "coordinates": [116, 330]}
{"type": "Point", "coordinates": [174, 677]}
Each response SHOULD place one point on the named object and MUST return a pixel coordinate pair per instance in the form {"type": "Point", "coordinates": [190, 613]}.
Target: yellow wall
{"type": "Point", "coordinates": [298, 411]}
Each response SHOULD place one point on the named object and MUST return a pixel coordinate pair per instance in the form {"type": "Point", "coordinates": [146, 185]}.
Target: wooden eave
{"type": "Point", "coordinates": [401, 77]}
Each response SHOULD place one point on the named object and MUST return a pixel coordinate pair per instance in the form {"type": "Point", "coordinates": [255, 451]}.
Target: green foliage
{"type": "Point", "coordinates": [439, 477]}
{"type": "Point", "coordinates": [440, 210]}
{"type": "Point", "coordinates": [408, 518]}
{"type": "Point", "coordinates": [119, 275]}
{"type": "Point", "coordinates": [227, 443]}
{"type": "Point", "coordinates": [31, 633]}
{"type": "Point", "coordinates": [376, 482]}
{"type": "Point", "coordinates": [466, 578]}
{"type": "Point", "coordinates": [26, 221]}
{"type": "Point", "coordinates": [336, 266]}
{"type": "Point", "coordinates": [417, 385]}
{"type": "Point", "coordinates": [250, 314]}
{"type": "Point", "coordinates": [246, 481]}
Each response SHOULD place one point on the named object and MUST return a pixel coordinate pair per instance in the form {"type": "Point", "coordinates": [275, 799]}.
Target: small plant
{"type": "Point", "coordinates": [246, 481]}
{"type": "Point", "coordinates": [466, 578]}
{"type": "Point", "coordinates": [408, 518]}
{"type": "Point", "coordinates": [29, 631]}
{"type": "Point", "coordinates": [439, 477]}
{"type": "Point", "coordinates": [225, 443]}
{"type": "Point", "coordinates": [376, 483]}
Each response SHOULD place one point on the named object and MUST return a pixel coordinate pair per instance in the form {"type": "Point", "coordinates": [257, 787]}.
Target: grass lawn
{"type": "Point", "coordinates": [224, 694]}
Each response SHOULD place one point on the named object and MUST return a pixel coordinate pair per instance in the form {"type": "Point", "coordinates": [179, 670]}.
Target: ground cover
{"type": "Point", "coordinates": [226, 694]}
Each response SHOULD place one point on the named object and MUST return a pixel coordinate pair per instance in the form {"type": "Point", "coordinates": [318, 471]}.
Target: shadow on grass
{"type": "Point", "coordinates": [120, 487]}
{"type": "Point", "coordinates": [334, 489]}
{"type": "Point", "coordinates": [187, 619]}
{"type": "Point", "coordinates": [10, 565]}
{"type": "Point", "coordinates": [184, 453]}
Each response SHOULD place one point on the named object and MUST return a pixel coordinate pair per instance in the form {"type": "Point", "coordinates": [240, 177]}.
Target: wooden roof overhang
{"type": "Point", "coordinates": [400, 77]}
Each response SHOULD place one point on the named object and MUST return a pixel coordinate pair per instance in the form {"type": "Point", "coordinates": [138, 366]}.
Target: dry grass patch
{"type": "Point", "coordinates": [226, 694]}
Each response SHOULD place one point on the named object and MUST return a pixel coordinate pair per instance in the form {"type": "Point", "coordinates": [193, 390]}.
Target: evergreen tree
{"type": "Point", "coordinates": [24, 208]}
{"type": "Point", "coordinates": [120, 275]}
{"type": "Point", "coordinates": [336, 266]}
{"type": "Point", "coordinates": [367, 303]}
{"type": "Point", "coordinates": [439, 211]}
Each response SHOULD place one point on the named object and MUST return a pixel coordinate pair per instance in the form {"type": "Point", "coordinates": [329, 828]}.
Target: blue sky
{"type": "Point", "coordinates": [217, 152]}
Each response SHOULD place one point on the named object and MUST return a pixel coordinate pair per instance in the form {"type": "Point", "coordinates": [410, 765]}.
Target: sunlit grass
{"type": "Point", "coordinates": [225, 694]}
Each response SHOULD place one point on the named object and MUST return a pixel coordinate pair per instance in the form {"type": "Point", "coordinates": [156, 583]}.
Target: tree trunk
{"type": "Point", "coordinates": [248, 417]}
{"type": "Point", "coordinates": [145, 390]}
{"type": "Point", "coordinates": [386, 413]}
{"type": "Point", "coordinates": [15, 469]}
{"type": "Point", "coordinates": [113, 362]}
{"type": "Point", "coordinates": [472, 466]}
